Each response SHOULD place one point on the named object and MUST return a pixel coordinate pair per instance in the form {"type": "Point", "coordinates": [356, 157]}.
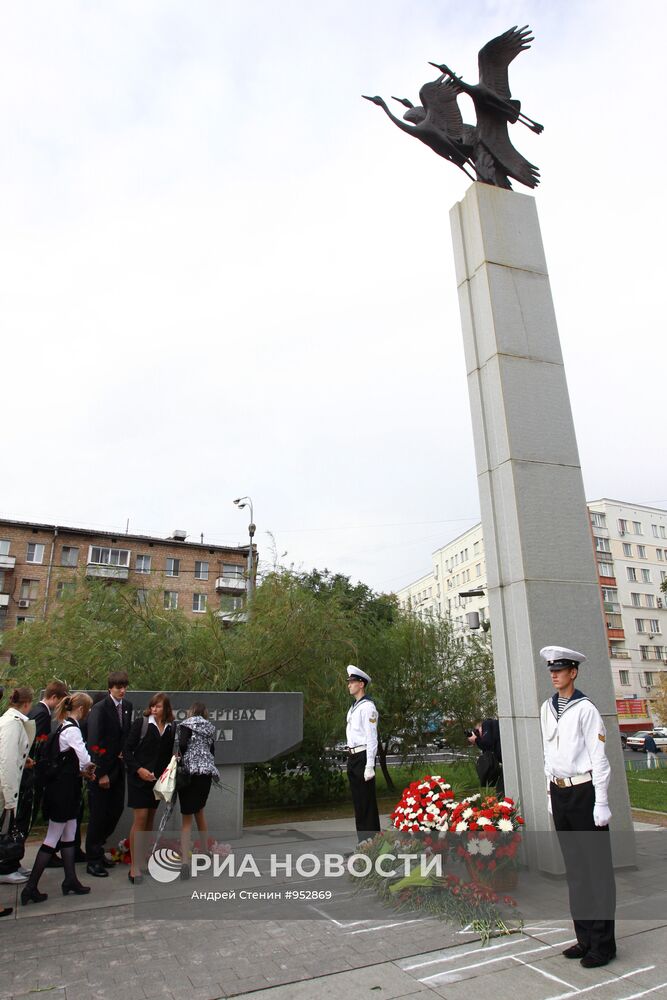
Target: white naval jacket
{"type": "Point", "coordinates": [16, 737]}
{"type": "Point", "coordinates": [362, 728]}
{"type": "Point", "coordinates": [575, 743]}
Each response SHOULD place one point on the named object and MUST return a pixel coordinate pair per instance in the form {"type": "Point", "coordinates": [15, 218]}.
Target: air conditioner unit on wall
{"type": "Point", "coordinates": [23, 603]}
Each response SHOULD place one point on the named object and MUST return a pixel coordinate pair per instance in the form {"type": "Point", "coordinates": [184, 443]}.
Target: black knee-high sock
{"type": "Point", "coordinates": [67, 852]}
{"type": "Point", "coordinates": [44, 855]}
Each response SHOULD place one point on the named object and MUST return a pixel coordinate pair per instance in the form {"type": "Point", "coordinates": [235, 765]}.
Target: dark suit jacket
{"type": "Point", "coordinates": [106, 733]}
{"type": "Point", "coordinates": [42, 716]}
{"type": "Point", "coordinates": [153, 752]}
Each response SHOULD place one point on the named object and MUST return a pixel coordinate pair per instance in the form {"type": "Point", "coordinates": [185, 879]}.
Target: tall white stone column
{"type": "Point", "coordinates": [541, 571]}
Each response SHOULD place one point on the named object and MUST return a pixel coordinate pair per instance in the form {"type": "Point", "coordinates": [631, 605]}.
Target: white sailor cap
{"type": "Point", "coordinates": [559, 656]}
{"type": "Point", "coordinates": [356, 674]}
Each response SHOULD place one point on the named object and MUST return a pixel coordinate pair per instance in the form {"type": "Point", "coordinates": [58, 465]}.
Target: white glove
{"type": "Point", "coordinates": [369, 773]}
{"type": "Point", "coordinates": [601, 814]}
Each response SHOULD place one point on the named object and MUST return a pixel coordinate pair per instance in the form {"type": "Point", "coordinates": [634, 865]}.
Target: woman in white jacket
{"type": "Point", "coordinates": [17, 733]}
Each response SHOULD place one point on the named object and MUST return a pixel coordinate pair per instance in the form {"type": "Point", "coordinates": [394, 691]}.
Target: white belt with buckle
{"type": "Point", "coordinates": [576, 779]}
{"type": "Point", "coordinates": [356, 749]}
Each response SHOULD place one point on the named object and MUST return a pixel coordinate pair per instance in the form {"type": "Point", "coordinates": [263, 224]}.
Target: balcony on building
{"type": "Point", "coordinates": [612, 607]}
{"type": "Point", "coordinates": [107, 572]}
{"type": "Point", "coordinates": [232, 584]}
{"type": "Point", "coordinates": [619, 653]}
{"type": "Point", "coordinates": [232, 617]}
{"type": "Point", "coordinates": [615, 633]}
{"type": "Point", "coordinates": [7, 563]}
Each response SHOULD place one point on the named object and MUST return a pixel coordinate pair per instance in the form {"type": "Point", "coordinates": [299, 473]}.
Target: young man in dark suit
{"type": "Point", "coordinates": [108, 725]}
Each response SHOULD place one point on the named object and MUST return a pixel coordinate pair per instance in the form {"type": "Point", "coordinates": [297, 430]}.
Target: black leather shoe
{"type": "Point", "coordinates": [107, 864]}
{"type": "Point", "coordinates": [54, 862]}
{"type": "Point", "coordinates": [135, 879]}
{"type": "Point", "coordinates": [97, 869]}
{"type": "Point", "coordinates": [593, 961]}
{"type": "Point", "coordinates": [574, 951]}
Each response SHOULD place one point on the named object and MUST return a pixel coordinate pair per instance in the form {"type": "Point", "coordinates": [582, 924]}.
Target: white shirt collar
{"type": "Point", "coordinates": [116, 701]}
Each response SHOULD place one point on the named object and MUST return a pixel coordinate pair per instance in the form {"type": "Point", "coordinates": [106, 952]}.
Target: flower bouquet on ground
{"type": "Point", "coordinates": [488, 835]}
{"type": "Point", "coordinates": [121, 854]}
{"type": "Point", "coordinates": [424, 809]}
{"type": "Point", "coordinates": [421, 821]}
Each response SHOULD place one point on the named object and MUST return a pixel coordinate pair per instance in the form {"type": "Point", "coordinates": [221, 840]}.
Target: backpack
{"type": "Point", "coordinates": [51, 758]}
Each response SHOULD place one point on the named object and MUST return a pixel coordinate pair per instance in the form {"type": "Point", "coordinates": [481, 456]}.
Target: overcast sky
{"type": "Point", "coordinates": [222, 272]}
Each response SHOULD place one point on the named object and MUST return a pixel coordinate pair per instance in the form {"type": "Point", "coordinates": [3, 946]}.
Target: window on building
{"type": "Point", "coordinates": [653, 625]}
{"type": "Point", "coordinates": [201, 570]}
{"type": "Point", "coordinates": [64, 589]}
{"type": "Point", "coordinates": [602, 544]}
{"type": "Point", "coordinates": [646, 575]}
{"type": "Point", "coordinates": [598, 520]}
{"type": "Point", "coordinates": [637, 528]}
{"type": "Point", "coordinates": [654, 530]}
{"type": "Point", "coordinates": [658, 554]}
{"type": "Point", "coordinates": [627, 549]}
{"type": "Point", "coordinates": [622, 525]}
{"type": "Point", "coordinates": [663, 532]}
{"type": "Point", "coordinates": [644, 652]}
{"type": "Point", "coordinates": [636, 600]}
{"type": "Point", "coordinates": [649, 600]}
{"type": "Point", "coordinates": [25, 619]}
{"type": "Point", "coordinates": [632, 573]}
{"type": "Point", "coordinates": [233, 570]}
{"type": "Point", "coordinates": [142, 597]}
{"type": "Point", "coordinates": [641, 552]}
{"type": "Point", "coordinates": [624, 677]}
{"type": "Point", "coordinates": [69, 555]}
{"type": "Point", "coordinates": [649, 678]}
{"type": "Point", "coordinates": [659, 652]}
{"type": "Point", "coordinates": [99, 556]}
{"type": "Point", "coordinates": [4, 546]}
{"type": "Point", "coordinates": [478, 569]}
{"type": "Point", "coordinates": [199, 602]}
{"type": "Point", "coordinates": [3, 619]}
{"type": "Point", "coordinates": [143, 564]}
{"type": "Point", "coordinates": [35, 553]}
{"type": "Point", "coordinates": [606, 569]}
{"type": "Point", "coordinates": [2, 581]}
{"type": "Point", "coordinates": [475, 548]}
{"type": "Point", "coordinates": [614, 621]}
{"type": "Point", "coordinates": [171, 600]}
{"type": "Point", "coordinates": [610, 595]}
{"type": "Point", "coordinates": [230, 603]}
{"type": "Point", "coordinates": [173, 566]}
{"type": "Point", "coordinates": [640, 625]}
{"type": "Point", "coordinates": [663, 575]}
{"type": "Point", "coordinates": [29, 590]}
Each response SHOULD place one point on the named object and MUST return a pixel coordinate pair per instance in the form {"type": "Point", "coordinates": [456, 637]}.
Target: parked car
{"type": "Point", "coordinates": [636, 741]}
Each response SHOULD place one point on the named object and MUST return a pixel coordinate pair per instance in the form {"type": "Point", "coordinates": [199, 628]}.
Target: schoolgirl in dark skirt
{"type": "Point", "coordinates": [148, 750]}
{"type": "Point", "coordinates": [196, 743]}
{"type": "Point", "coordinates": [62, 797]}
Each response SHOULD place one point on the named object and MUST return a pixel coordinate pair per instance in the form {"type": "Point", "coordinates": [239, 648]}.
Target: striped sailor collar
{"type": "Point", "coordinates": [575, 699]}
{"type": "Point", "coordinates": [357, 703]}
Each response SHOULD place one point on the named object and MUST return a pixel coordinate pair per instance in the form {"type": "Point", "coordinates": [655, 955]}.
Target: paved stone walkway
{"type": "Point", "coordinates": [95, 948]}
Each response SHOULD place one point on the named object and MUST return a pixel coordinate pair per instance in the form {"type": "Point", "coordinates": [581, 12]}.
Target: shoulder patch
{"type": "Point", "coordinates": [373, 717]}
{"type": "Point", "coordinates": [602, 737]}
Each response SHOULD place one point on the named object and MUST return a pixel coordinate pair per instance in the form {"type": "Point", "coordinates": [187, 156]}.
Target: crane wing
{"type": "Point", "coordinates": [442, 109]}
{"type": "Point", "coordinates": [494, 59]}
{"type": "Point", "coordinates": [494, 137]}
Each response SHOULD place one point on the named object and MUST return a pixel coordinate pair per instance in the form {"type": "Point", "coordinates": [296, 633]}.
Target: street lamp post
{"type": "Point", "coordinates": [241, 503]}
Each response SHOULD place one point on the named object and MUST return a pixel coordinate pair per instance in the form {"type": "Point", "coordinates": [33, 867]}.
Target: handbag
{"type": "Point", "coordinates": [11, 843]}
{"type": "Point", "coordinates": [165, 786]}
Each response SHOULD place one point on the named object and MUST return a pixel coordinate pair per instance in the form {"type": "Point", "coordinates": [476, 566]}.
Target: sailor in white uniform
{"type": "Point", "coordinates": [578, 773]}
{"type": "Point", "coordinates": [362, 742]}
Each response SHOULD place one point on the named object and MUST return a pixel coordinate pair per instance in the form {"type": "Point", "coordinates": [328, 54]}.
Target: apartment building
{"type": "Point", "coordinates": [40, 563]}
{"type": "Point", "coordinates": [456, 585]}
{"type": "Point", "coordinates": [630, 544]}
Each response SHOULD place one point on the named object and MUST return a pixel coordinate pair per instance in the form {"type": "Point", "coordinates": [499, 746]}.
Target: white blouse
{"type": "Point", "coordinates": [71, 739]}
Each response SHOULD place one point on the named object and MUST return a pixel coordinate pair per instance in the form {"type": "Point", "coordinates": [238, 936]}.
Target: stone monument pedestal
{"type": "Point", "coordinates": [542, 575]}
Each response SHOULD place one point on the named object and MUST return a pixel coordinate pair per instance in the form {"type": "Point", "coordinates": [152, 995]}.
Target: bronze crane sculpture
{"type": "Point", "coordinates": [486, 145]}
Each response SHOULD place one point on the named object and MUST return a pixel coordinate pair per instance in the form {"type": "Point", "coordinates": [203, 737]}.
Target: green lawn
{"type": "Point", "coordinates": [648, 789]}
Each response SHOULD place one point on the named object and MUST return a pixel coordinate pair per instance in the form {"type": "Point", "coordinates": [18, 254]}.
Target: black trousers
{"type": "Point", "coordinates": [588, 863]}
{"type": "Point", "coordinates": [105, 806]}
{"type": "Point", "coordinates": [364, 799]}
